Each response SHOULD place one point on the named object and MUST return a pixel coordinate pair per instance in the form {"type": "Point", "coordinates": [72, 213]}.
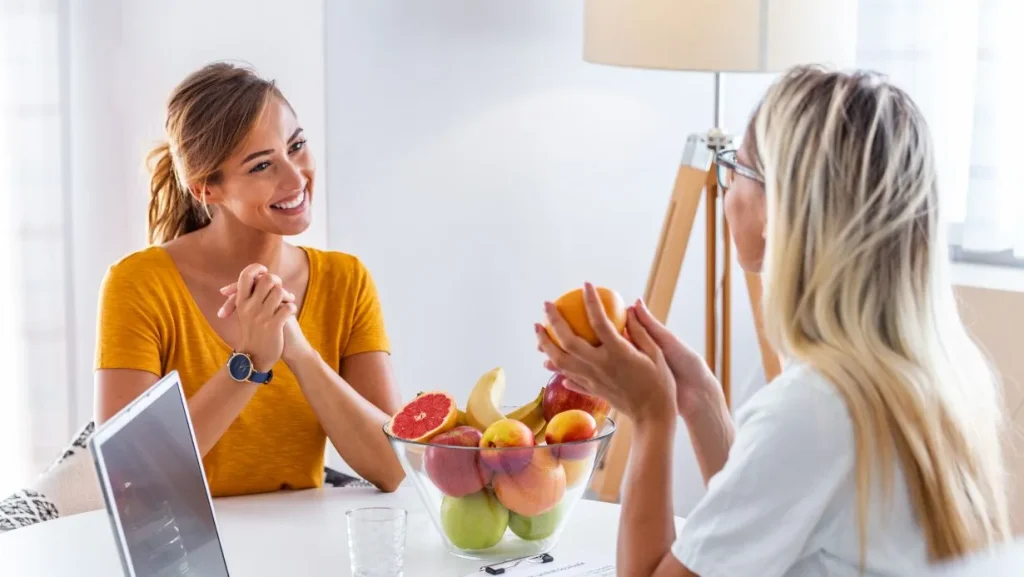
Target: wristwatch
{"type": "Point", "coordinates": [240, 368]}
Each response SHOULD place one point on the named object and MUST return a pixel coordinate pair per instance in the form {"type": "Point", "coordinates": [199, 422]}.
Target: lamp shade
{"type": "Point", "coordinates": [720, 35]}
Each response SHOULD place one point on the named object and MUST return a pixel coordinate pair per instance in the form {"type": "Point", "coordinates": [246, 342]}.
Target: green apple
{"type": "Point", "coordinates": [537, 527]}
{"type": "Point", "coordinates": [476, 521]}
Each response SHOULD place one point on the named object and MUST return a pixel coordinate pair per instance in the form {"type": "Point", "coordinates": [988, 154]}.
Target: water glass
{"type": "Point", "coordinates": [376, 541]}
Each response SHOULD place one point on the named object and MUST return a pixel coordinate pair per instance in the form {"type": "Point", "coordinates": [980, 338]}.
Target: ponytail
{"type": "Point", "coordinates": [173, 211]}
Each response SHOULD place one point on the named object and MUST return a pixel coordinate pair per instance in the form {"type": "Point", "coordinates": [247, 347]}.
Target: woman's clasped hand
{"type": "Point", "coordinates": [266, 314]}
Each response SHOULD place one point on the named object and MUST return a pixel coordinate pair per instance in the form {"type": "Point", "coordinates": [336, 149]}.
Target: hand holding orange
{"type": "Point", "coordinates": [573, 309]}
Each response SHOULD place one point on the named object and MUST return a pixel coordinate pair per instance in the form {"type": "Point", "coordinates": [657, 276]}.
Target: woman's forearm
{"type": "Point", "coordinates": [353, 424]}
{"type": "Point", "coordinates": [216, 405]}
{"type": "Point", "coordinates": [212, 408]}
{"type": "Point", "coordinates": [647, 525]}
{"type": "Point", "coordinates": [711, 430]}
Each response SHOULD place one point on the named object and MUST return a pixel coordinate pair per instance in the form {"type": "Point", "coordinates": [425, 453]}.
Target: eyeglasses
{"type": "Point", "coordinates": [728, 164]}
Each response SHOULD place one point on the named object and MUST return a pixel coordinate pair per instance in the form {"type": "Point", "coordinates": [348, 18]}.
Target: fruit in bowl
{"type": "Point", "coordinates": [476, 521]}
{"type": "Point", "coordinates": [568, 427]}
{"type": "Point", "coordinates": [577, 471]}
{"type": "Point", "coordinates": [425, 417]}
{"type": "Point", "coordinates": [537, 527]}
{"type": "Point", "coordinates": [534, 490]}
{"type": "Point", "coordinates": [559, 398]}
{"type": "Point", "coordinates": [456, 473]}
{"type": "Point", "coordinates": [505, 490]}
{"type": "Point", "coordinates": [499, 443]}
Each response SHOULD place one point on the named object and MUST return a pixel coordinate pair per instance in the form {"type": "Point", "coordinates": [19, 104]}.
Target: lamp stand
{"type": "Point", "coordinates": [697, 174]}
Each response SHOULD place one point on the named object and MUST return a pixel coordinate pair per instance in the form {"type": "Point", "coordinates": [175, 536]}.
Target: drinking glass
{"type": "Point", "coordinates": [376, 541]}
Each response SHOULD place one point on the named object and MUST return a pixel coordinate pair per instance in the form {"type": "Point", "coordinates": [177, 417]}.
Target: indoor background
{"type": "Point", "coordinates": [470, 157]}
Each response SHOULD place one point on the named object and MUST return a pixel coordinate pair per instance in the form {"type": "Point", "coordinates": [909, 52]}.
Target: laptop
{"type": "Point", "coordinates": [154, 486]}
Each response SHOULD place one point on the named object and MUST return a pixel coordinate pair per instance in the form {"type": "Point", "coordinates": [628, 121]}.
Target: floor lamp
{"type": "Point", "coordinates": [715, 37]}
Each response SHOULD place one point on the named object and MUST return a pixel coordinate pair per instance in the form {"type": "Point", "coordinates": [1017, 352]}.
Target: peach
{"type": "Point", "coordinates": [535, 490]}
{"type": "Point", "coordinates": [452, 462]}
{"type": "Point", "coordinates": [500, 444]}
{"type": "Point", "coordinates": [559, 398]}
{"type": "Point", "coordinates": [568, 427]}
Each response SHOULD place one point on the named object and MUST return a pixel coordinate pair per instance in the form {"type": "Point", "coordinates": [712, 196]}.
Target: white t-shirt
{"type": "Point", "coordinates": [785, 503]}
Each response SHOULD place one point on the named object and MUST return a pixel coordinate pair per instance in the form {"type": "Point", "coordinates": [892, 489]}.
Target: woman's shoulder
{"type": "Point", "coordinates": [138, 270]}
{"type": "Point", "coordinates": [801, 399]}
{"type": "Point", "coordinates": [151, 258]}
{"type": "Point", "coordinates": [333, 258]}
{"type": "Point", "coordinates": [336, 267]}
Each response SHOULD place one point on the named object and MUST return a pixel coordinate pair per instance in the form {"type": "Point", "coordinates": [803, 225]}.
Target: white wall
{"type": "Point", "coordinates": [126, 57]}
{"type": "Point", "coordinates": [479, 166]}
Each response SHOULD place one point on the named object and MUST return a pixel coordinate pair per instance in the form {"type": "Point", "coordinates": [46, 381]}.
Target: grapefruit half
{"type": "Point", "coordinates": [425, 417]}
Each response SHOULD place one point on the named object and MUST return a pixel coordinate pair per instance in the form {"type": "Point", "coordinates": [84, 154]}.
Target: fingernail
{"type": "Point", "coordinates": [587, 285]}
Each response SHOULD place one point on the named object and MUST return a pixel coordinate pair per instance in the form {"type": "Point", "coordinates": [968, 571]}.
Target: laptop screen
{"type": "Point", "coordinates": [159, 493]}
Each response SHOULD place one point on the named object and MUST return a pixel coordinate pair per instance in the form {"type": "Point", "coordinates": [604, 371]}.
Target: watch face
{"type": "Point", "coordinates": [240, 367]}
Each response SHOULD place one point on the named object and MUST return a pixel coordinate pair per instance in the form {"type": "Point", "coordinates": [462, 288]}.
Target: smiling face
{"type": "Point", "coordinates": [267, 182]}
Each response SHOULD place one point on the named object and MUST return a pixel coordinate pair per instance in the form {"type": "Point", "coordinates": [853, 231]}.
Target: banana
{"type": "Point", "coordinates": [531, 414]}
{"type": "Point", "coordinates": [485, 398]}
{"type": "Point", "coordinates": [461, 420]}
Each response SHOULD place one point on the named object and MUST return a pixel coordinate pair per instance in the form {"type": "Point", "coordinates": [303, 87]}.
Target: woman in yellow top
{"type": "Point", "coordinates": [278, 347]}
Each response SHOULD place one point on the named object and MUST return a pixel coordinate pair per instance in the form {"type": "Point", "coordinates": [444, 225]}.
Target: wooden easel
{"type": "Point", "coordinates": [697, 174]}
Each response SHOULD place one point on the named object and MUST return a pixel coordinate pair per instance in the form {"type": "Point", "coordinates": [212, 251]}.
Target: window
{"type": "Point", "coordinates": [956, 60]}
{"type": "Point", "coordinates": [35, 391]}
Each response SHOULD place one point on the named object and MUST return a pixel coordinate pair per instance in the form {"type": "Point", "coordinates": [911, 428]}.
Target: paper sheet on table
{"type": "Point", "coordinates": [603, 567]}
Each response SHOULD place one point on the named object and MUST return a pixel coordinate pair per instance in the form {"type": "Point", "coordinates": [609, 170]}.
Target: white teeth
{"type": "Point", "coordinates": [291, 203]}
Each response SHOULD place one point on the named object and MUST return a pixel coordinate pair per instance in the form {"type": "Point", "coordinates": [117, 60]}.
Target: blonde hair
{"type": "Point", "coordinates": [856, 285]}
{"type": "Point", "coordinates": [209, 114]}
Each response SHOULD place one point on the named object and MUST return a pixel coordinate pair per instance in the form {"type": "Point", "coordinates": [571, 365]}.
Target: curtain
{"type": "Point", "coordinates": [954, 58]}
{"type": "Point", "coordinates": [35, 392]}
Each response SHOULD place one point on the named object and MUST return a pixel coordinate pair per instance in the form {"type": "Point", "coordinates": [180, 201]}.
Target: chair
{"type": "Point", "coordinates": [66, 487]}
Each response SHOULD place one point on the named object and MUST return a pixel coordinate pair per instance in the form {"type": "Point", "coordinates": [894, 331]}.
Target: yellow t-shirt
{"type": "Point", "coordinates": [149, 321]}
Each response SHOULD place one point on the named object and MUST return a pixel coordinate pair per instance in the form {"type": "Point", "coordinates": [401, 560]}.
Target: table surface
{"type": "Point", "coordinates": [286, 533]}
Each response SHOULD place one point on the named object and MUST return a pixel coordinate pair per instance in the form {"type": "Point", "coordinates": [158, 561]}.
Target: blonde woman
{"type": "Point", "coordinates": [877, 448]}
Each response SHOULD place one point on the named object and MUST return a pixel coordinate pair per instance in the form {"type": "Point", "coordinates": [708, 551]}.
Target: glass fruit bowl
{"type": "Point", "coordinates": [498, 504]}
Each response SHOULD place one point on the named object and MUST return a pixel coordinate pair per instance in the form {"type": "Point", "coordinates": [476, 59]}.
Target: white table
{"type": "Point", "coordinates": [288, 533]}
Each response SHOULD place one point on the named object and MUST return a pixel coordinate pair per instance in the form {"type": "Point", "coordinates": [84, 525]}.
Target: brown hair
{"type": "Point", "coordinates": [208, 116]}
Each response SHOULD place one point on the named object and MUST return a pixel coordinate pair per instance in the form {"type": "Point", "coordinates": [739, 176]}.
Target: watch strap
{"type": "Point", "coordinates": [261, 378]}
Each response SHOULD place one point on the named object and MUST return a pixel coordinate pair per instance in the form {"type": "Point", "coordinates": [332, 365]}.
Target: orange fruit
{"type": "Point", "coordinates": [425, 417]}
{"type": "Point", "coordinates": [573, 309]}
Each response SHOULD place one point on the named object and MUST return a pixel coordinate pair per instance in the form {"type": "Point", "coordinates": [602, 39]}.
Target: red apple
{"type": "Point", "coordinates": [500, 442]}
{"type": "Point", "coordinates": [567, 427]}
{"type": "Point", "coordinates": [559, 398]}
{"type": "Point", "coordinates": [454, 466]}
